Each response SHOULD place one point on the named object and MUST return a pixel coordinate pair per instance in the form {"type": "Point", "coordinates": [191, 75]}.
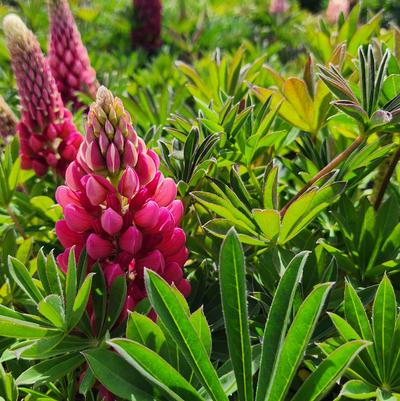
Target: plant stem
{"type": "Point", "coordinates": [327, 169]}
{"type": "Point", "coordinates": [16, 222]}
{"type": "Point", "coordinates": [386, 179]}
{"type": "Point", "coordinates": [253, 179]}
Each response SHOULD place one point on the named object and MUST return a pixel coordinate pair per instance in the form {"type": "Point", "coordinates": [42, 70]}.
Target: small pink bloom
{"type": "Point", "coordinates": [111, 221]}
{"type": "Point", "coordinates": [173, 273]}
{"type": "Point", "coordinates": [131, 240]}
{"type": "Point", "coordinates": [166, 192]}
{"type": "Point", "coordinates": [73, 176]}
{"type": "Point", "coordinates": [153, 261]}
{"type": "Point", "coordinates": [179, 257]}
{"type": "Point", "coordinates": [176, 209]}
{"type": "Point", "coordinates": [174, 243]}
{"type": "Point", "coordinates": [147, 216]}
{"type": "Point", "coordinates": [94, 159]}
{"type": "Point", "coordinates": [77, 218]}
{"type": "Point", "coordinates": [66, 196]}
{"type": "Point", "coordinates": [130, 154]}
{"type": "Point", "coordinates": [113, 159]}
{"type": "Point", "coordinates": [129, 184]}
{"type": "Point", "coordinates": [145, 168]}
{"type": "Point", "coordinates": [111, 272]}
{"type": "Point", "coordinates": [165, 223]}
{"type": "Point", "coordinates": [66, 236]}
{"type": "Point", "coordinates": [98, 248]}
{"type": "Point", "coordinates": [95, 192]}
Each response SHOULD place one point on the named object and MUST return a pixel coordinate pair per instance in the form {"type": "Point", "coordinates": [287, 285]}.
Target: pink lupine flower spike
{"type": "Point", "coordinates": [119, 205]}
{"type": "Point", "coordinates": [68, 57]}
{"type": "Point", "coordinates": [8, 121]}
{"type": "Point", "coordinates": [48, 137]}
{"type": "Point", "coordinates": [146, 32]}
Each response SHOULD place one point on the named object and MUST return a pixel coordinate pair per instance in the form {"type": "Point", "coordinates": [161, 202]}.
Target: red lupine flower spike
{"type": "Point", "coordinates": [48, 137]}
{"type": "Point", "coordinates": [68, 57]}
{"type": "Point", "coordinates": [8, 121]}
{"type": "Point", "coordinates": [146, 31]}
{"type": "Point", "coordinates": [122, 210]}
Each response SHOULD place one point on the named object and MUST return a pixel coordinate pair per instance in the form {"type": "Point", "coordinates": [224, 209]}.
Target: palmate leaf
{"type": "Point", "coordinates": [234, 305]}
{"type": "Point", "coordinates": [176, 321]}
{"type": "Point", "coordinates": [349, 334]}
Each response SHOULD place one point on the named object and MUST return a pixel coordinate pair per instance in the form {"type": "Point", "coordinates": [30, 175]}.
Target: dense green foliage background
{"type": "Point", "coordinates": [295, 287]}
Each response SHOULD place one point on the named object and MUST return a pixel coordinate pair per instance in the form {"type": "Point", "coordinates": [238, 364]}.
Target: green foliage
{"type": "Point", "coordinates": [375, 371]}
{"type": "Point", "coordinates": [281, 132]}
{"type": "Point", "coordinates": [281, 349]}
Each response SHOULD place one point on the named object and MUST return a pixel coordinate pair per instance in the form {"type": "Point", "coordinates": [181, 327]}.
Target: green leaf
{"type": "Point", "coordinates": [41, 268]}
{"type": "Point", "coordinates": [24, 250]}
{"type": "Point", "coordinates": [99, 295]}
{"type": "Point", "coordinates": [24, 280]}
{"type": "Point", "coordinates": [220, 227]}
{"type": "Point", "coordinates": [87, 383]}
{"type": "Point", "coordinates": [223, 208]}
{"type": "Point", "coordinates": [70, 286]}
{"type": "Point", "coordinates": [116, 301]}
{"type": "Point", "coordinates": [53, 275]}
{"type": "Point", "coordinates": [329, 371]}
{"type": "Point", "coordinates": [117, 375]}
{"type": "Point", "coordinates": [294, 214]}
{"type": "Point", "coordinates": [143, 330]}
{"type": "Point", "coordinates": [357, 390]}
{"type": "Point", "coordinates": [356, 316]}
{"type": "Point", "coordinates": [176, 321]}
{"type": "Point", "coordinates": [39, 347]}
{"type": "Point", "coordinates": [81, 301]}
{"type": "Point", "coordinates": [52, 309]}
{"type": "Point", "coordinates": [155, 369]}
{"type": "Point", "coordinates": [15, 328]}
{"type": "Point", "coordinates": [384, 320]}
{"type": "Point", "coordinates": [232, 275]}
{"type": "Point", "coordinates": [200, 324]}
{"type": "Point", "coordinates": [269, 221]}
{"type": "Point", "coordinates": [8, 387]}
{"type": "Point", "coordinates": [50, 370]}
{"type": "Point", "coordinates": [296, 341]}
{"type": "Point", "coordinates": [278, 321]}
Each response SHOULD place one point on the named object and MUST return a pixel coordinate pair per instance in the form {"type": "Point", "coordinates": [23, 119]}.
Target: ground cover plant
{"type": "Point", "coordinates": [199, 200]}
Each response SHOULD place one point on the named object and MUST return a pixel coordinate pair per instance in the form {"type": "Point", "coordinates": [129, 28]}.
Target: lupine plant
{"type": "Point", "coordinates": [199, 201]}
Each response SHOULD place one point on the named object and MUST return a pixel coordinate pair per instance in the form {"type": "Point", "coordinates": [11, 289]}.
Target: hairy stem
{"type": "Point", "coordinates": [386, 178]}
{"type": "Point", "coordinates": [327, 169]}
